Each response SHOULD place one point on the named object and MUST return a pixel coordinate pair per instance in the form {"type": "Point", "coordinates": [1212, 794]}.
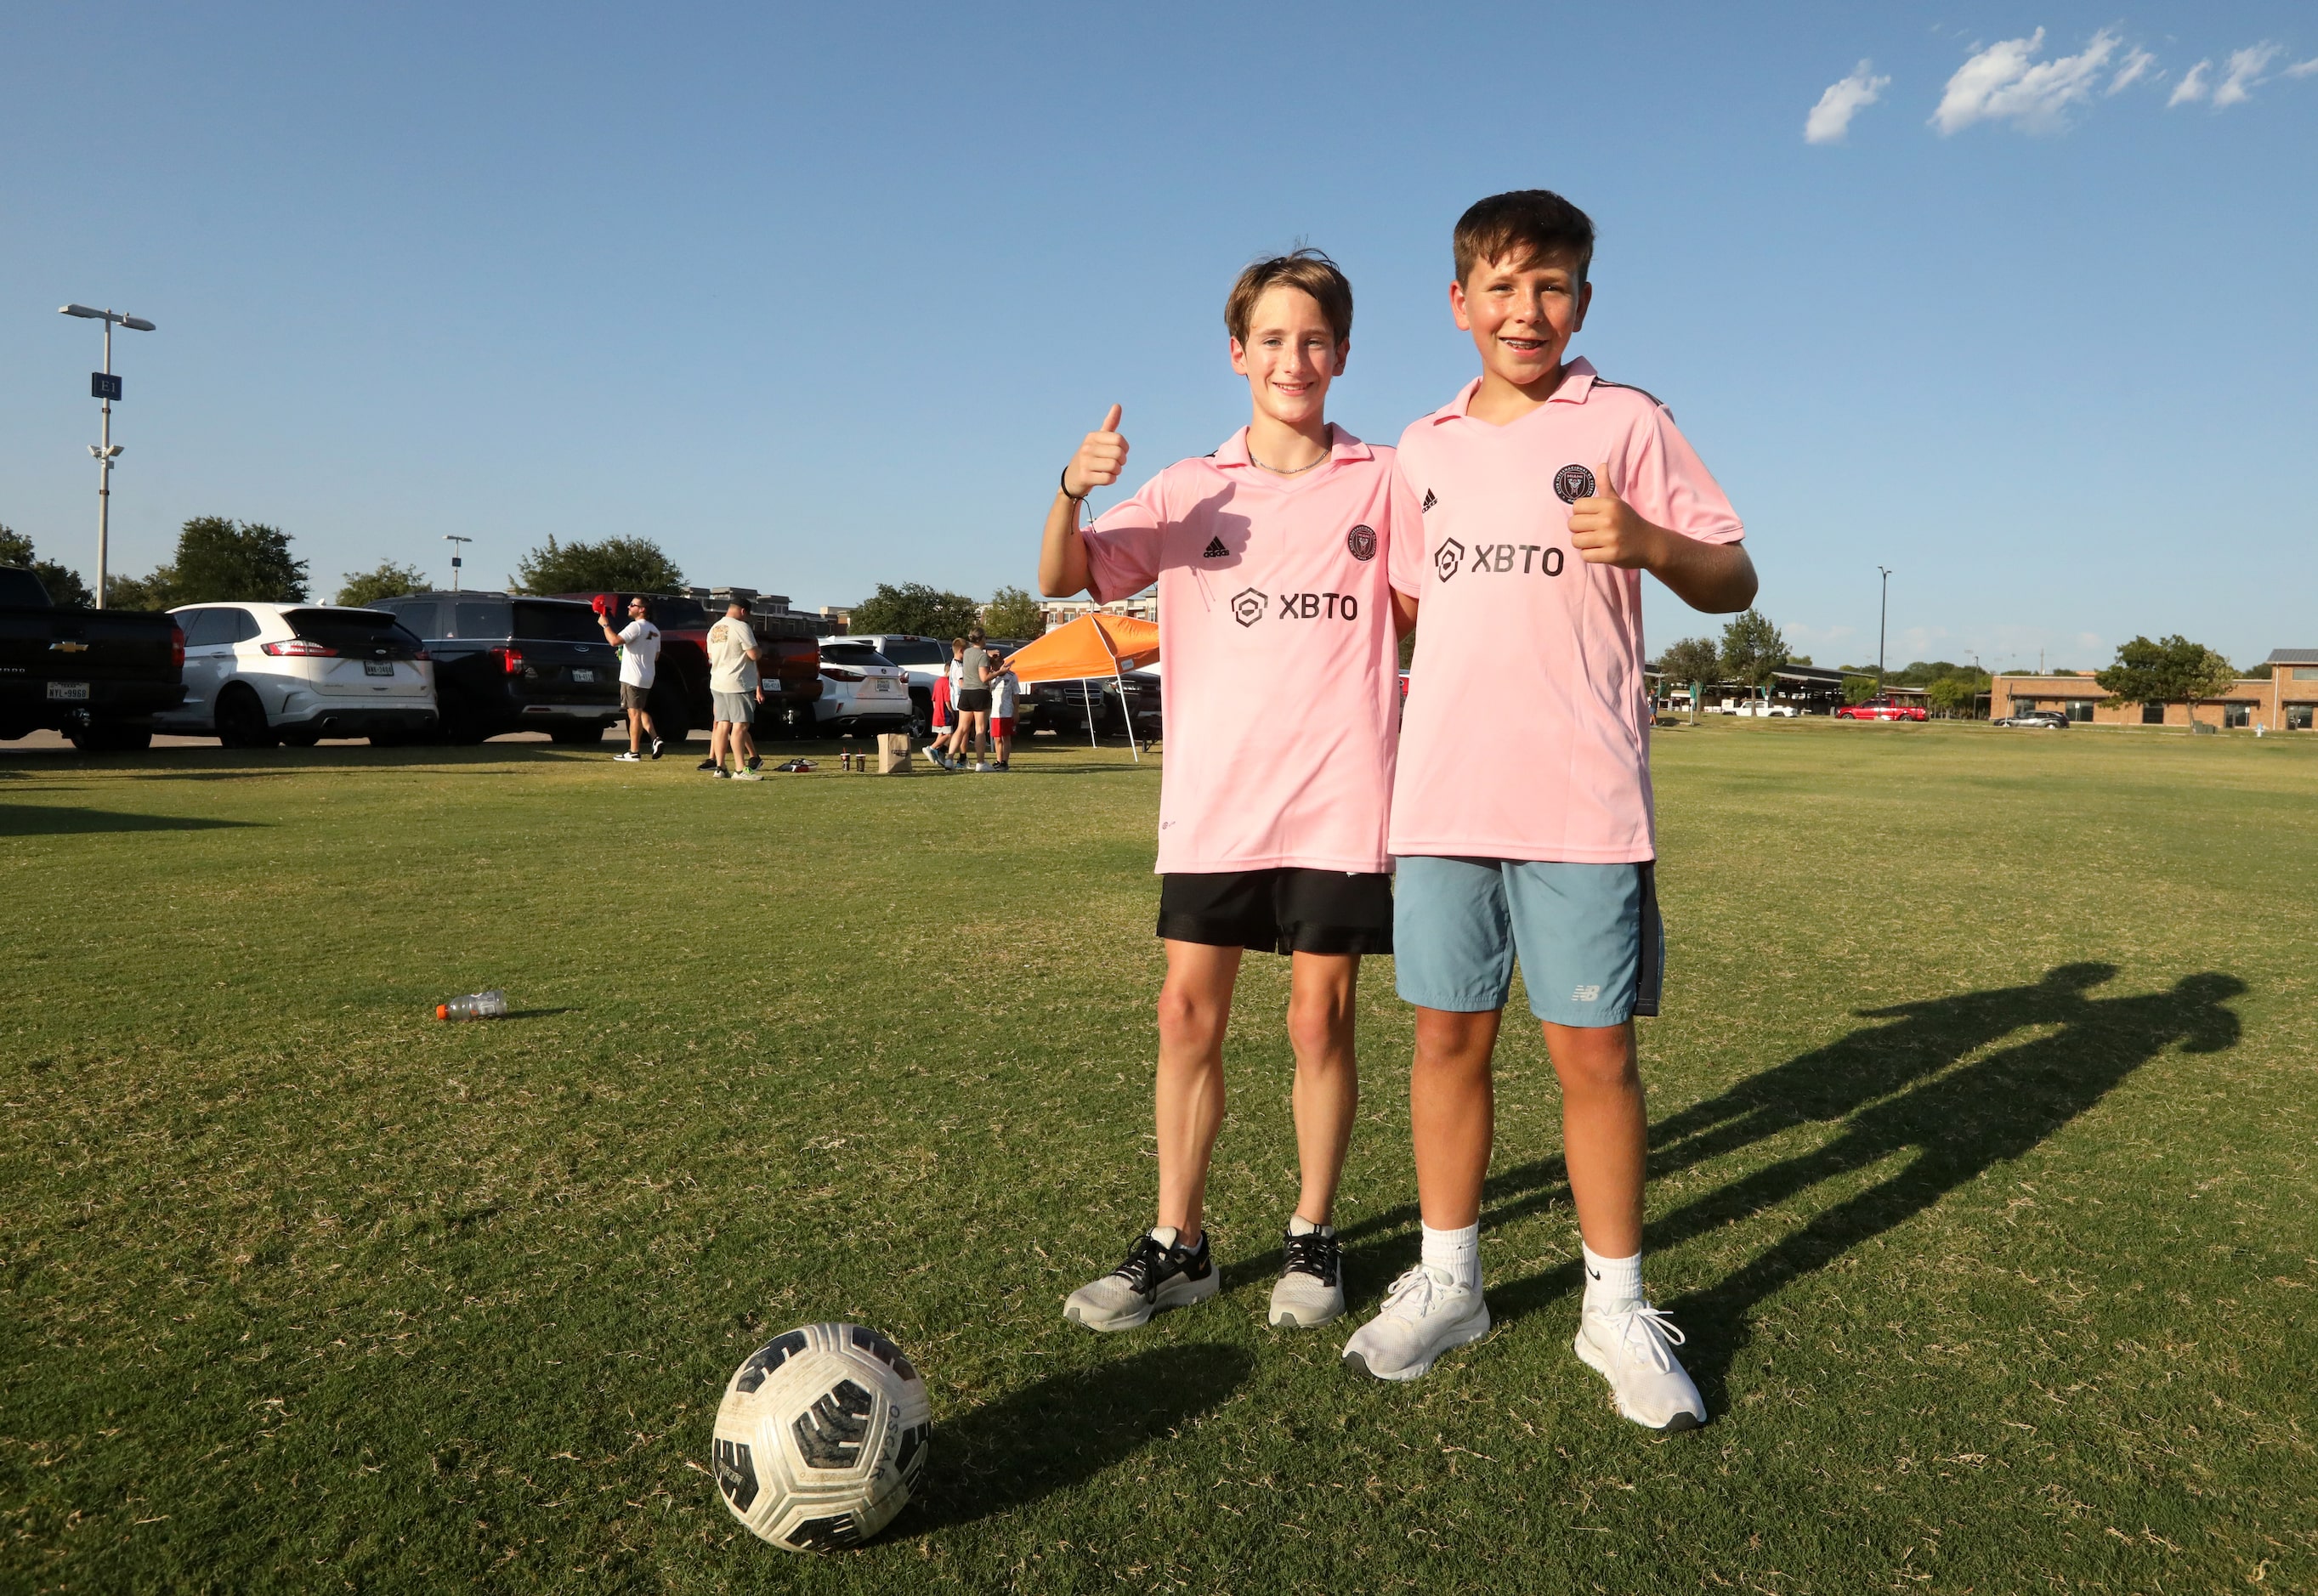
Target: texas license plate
{"type": "Point", "coordinates": [583, 676]}
{"type": "Point", "coordinates": [72, 692]}
{"type": "Point", "coordinates": [377, 668]}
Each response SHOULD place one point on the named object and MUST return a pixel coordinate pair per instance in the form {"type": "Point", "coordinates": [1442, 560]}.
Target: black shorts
{"type": "Point", "coordinates": [973, 701]}
{"type": "Point", "coordinates": [1289, 910]}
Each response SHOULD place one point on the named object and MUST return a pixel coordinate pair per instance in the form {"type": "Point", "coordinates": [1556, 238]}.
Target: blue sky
{"type": "Point", "coordinates": [822, 297]}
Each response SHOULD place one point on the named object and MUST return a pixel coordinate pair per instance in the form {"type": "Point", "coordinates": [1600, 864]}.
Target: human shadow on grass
{"type": "Point", "coordinates": [1063, 1431]}
{"type": "Point", "coordinates": [1956, 1126]}
{"type": "Point", "coordinates": [58, 820]}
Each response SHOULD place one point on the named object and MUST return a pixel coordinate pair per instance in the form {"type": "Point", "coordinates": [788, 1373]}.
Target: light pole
{"type": "Point", "coordinates": [457, 543]}
{"type": "Point", "coordinates": [1883, 612]}
{"type": "Point", "coordinates": [105, 386]}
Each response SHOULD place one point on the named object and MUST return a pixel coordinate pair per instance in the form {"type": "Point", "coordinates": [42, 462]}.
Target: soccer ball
{"type": "Point", "coordinates": [820, 1436]}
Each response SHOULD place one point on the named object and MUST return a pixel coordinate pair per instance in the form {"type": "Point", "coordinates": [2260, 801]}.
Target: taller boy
{"type": "Point", "coordinates": [1273, 559]}
{"type": "Point", "coordinates": [1521, 813]}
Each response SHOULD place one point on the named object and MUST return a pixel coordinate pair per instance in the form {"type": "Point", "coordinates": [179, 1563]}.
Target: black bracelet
{"type": "Point", "coordinates": [1064, 484]}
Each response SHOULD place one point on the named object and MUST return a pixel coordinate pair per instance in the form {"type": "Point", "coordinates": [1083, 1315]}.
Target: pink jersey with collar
{"type": "Point", "coordinates": [1527, 733]}
{"type": "Point", "coordinates": [1280, 660]}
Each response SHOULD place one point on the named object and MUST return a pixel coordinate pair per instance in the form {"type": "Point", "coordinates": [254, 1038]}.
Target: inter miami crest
{"type": "Point", "coordinates": [1445, 559]}
{"type": "Point", "coordinates": [1248, 605]}
{"type": "Point", "coordinates": [1362, 542]}
{"type": "Point", "coordinates": [1572, 483]}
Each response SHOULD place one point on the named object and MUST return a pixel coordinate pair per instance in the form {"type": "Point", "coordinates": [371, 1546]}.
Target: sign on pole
{"type": "Point", "coordinates": [104, 385]}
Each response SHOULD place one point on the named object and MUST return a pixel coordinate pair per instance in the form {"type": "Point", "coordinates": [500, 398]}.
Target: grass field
{"type": "Point", "coordinates": [1983, 1184]}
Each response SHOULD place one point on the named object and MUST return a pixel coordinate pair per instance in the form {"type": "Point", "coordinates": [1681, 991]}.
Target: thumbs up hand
{"type": "Point", "coordinates": [1607, 532]}
{"type": "Point", "coordinates": [1100, 460]}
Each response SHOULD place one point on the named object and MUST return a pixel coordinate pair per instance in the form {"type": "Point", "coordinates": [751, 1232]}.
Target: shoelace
{"type": "Point", "coordinates": [1411, 1296]}
{"type": "Point", "coordinates": [1143, 1264]}
{"type": "Point", "coordinates": [1314, 1254]}
{"type": "Point", "coordinates": [1647, 1330]}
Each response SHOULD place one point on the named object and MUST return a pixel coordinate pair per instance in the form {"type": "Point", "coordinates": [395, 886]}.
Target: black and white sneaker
{"type": "Point", "coordinates": [1311, 1289]}
{"type": "Point", "coordinates": [756, 761]}
{"type": "Point", "coordinates": [656, 748]}
{"type": "Point", "coordinates": [706, 766]}
{"type": "Point", "coordinates": [1157, 1275]}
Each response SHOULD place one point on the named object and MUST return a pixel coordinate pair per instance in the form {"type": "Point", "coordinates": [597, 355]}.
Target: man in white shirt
{"type": "Point", "coordinates": [639, 645]}
{"type": "Point", "coordinates": [735, 691]}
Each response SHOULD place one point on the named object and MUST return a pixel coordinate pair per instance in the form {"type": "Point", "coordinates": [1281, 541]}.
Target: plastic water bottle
{"type": "Point", "coordinates": [491, 1005]}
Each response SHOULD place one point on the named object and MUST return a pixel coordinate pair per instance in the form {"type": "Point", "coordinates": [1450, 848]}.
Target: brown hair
{"type": "Point", "coordinates": [1307, 269]}
{"type": "Point", "coordinates": [1521, 226]}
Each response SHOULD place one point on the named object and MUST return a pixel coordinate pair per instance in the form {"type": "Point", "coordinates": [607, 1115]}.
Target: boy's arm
{"type": "Point", "coordinates": [1716, 577]}
{"type": "Point", "coordinates": [1063, 556]}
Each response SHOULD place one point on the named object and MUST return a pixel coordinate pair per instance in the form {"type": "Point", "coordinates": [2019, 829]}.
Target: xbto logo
{"type": "Point", "coordinates": [1247, 606]}
{"type": "Point", "coordinates": [1316, 607]}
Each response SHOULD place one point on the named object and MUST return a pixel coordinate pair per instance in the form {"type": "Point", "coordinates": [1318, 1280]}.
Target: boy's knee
{"type": "Point", "coordinates": [1595, 1060]}
{"type": "Point", "coordinates": [1183, 1014]}
{"type": "Point", "coordinates": [1316, 1029]}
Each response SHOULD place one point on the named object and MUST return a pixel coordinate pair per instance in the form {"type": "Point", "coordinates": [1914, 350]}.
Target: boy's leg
{"type": "Point", "coordinates": [1321, 989]}
{"type": "Point", "coordinates": [1453, 954]}
{"type": "Point", "coordinates": [716, 731]}
{"type": "Point", "coordinates": [1169, 1266]}
{"type": "Point", "coordinates": [1592, 950]}
{"type": "Point", "coordinates": [744, 744]}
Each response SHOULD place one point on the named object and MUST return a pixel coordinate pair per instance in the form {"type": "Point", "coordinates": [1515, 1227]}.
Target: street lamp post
{"type": "Point", "coordinates": [105, 387]}
{"type": "Point", "coordinates": [457, 544]}
{"type": "Point", "coordinates": [1882, 613]}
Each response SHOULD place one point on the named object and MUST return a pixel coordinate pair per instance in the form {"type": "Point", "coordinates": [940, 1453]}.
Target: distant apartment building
{"type": "Point", "coordinates": [2284, 701]}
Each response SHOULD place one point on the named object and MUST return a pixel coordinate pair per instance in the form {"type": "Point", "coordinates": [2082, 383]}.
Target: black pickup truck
{"type": "Point", "coordinates": [96, 676]}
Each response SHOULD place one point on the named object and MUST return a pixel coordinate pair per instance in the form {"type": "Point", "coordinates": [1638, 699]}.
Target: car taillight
{"type": "Point", "coordinates": [837, 673]}
{"type": "Point", "coordinates": [300, 648]}
{"type": "Point", "coordinates": [421, 654]}
{"type": "Point", "coordinates": [510, 660]}
{"type": "Point", "coordinates": [176, 647]}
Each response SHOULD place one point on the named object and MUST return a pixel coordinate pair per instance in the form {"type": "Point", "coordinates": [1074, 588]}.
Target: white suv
{"type": "Point", "coordinates": [861, 690]}
{"type": "Point", "coordinates": [924, 660]}
{"type": "Point", "coordinates": [258, 674]}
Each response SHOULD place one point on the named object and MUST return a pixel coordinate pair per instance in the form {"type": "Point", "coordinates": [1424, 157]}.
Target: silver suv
{"type": "Point", "coordinates": [259, 674]}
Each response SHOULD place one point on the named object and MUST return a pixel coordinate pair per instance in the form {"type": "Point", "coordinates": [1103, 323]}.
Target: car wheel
{"type": "Point", "coordinates": [241, 720]}
{"type": "Point", "coordinates": [108, 738]}
{"type": "Point", "coordinates": [304, 737]}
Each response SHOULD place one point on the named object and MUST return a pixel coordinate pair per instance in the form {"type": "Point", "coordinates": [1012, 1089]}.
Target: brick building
{"type": "Point", "coordinates": [2284, 701]}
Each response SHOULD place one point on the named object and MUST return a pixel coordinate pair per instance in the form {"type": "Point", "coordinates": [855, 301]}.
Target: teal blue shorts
{"type": "Point", "coordinates": [1590, 947]}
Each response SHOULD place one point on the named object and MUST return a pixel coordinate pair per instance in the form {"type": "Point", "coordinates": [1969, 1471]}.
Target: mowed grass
{"type": "Point", "coordinates": [1983, 1184]}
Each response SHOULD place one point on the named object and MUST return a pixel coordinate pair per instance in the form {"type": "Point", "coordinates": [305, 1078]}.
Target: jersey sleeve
{"type": "Point", "coordinates": [1123, 545]}
{"type": "Point", "coordinates": [1663, 478]}
{"type": "Point", "coordinates": [1405, 562]}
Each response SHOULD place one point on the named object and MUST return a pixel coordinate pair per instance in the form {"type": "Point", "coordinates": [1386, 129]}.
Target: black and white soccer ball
{"type": "Point", "coordinates": [822, 1437]}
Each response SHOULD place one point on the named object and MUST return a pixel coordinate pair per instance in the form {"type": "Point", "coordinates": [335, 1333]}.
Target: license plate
{"type": "Point", "coordinates": [582, 676]}
{"type": "Point", "coordinates": [377, 668]}
{"type": "Point", "coordinates": [74, 692]}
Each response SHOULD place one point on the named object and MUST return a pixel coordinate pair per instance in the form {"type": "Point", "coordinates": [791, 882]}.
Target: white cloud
{"type": "Point", "coordinates": [2191, 87]}
{"type": "Point", "coordinates": [1830, 119]}
{"type": "Point", "coordinates": [2137, 65]}
{"type": "Point", "coordinates": [2006, 82]}
{"type": "Point", "coordinates": [2246, 69]}
{"type": "Point", "coordinates": [2300, 68]}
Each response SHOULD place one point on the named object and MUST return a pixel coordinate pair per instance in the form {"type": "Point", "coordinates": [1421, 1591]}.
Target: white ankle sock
{"type": "Point", "coordinates": [1611, 1282]}
{"type": "Point", "coordinates": [1456, 1253]}
{"type": "Point", "coordinates": [1297, 1226]}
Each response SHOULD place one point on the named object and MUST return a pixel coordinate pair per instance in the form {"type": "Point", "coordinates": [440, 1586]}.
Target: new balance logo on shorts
{"type": "Point", "coordinates": [1586, 994]}
{"type": "Point", "coordinates": [1215, 550]}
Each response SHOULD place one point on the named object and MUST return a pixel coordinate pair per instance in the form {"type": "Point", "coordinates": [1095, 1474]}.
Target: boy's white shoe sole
{"type": "Point", "coordinates": [1633, 1350]}
{"type": "Point", "coordinates": [1424, 1315]}
{"type": "Point", "coordinates": [1299, 1302]}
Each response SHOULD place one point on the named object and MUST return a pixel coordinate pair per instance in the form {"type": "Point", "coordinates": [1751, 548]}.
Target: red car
{"type": "Point", "coordinates": [1882, 709]}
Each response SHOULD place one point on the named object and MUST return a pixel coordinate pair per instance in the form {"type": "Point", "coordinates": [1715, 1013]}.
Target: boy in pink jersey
{"type": "Point", "coordinates": [1521, 817]}
{"type": "Point", "coordinates": [1272, 557]}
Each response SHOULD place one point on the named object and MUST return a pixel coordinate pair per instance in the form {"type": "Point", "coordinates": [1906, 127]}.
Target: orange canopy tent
{"type": "Point", "coordinates": [1094, 645]}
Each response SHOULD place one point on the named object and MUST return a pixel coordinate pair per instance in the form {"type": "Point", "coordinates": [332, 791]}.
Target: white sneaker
{"type": "Point", "coordinates": [746, 776]}
{"type": "Point", "coordinates": [981, 765]}
{"type": "Point", "coordinates": [1311, 1289]}
{"type": "Point", "coordinates": [1632, 1347]}
{"type": "Point", "coordinates": [1426, 1314]}
{"type": "Point", "coordinates": [1156, 1275]}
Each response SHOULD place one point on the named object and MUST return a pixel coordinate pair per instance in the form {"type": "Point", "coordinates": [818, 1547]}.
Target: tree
{"type": "Point", "coordinates": [917, 609]}
{"type": "Point", "coordinates": [1753, 649]}
{"type": "Point", "coordinates": [1859, 687]}
{"type": "Point", "coordinates": [1011, 612]}
{"type": "Point", "coordinates": [67, 591]}
{"type": "Point", "coordinates": [364, 588]}
{"type": "Point", "coordinates": [219, 560]}
{"type": "Point", "coordinates": [1952, 692]}
{"type": "Point", "coordinates": [624, 564]}
{"type": "Point", "coordinates": [2173, 670]}
{"type": "Point", "coordinates": [137, 593]}
{"type": "Point", "coordinates": [1694, 661]}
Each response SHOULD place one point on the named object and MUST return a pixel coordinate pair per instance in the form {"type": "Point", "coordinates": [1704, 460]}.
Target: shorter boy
{"type": "Point", "coordinates": [940, 717]}
{"type": "Point", "coordinates": [1544, 491]}
{"type": "Point", "coordinates": [1003, 688]}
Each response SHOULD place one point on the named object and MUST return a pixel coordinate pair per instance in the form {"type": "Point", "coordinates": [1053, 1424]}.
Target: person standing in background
{"type": "Point", "coordinates": [639, 645]}
{"type": "Point", "coordinates": [735, 691]}
{"type": "Point", "coordinates": [1003, 691]}
{"type": "Point", "coordinates": [973, 673]}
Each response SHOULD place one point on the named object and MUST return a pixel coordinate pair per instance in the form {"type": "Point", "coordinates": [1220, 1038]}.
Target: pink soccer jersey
{"type": "Point", "coordinates": [1527, 733]}
{"type": "Point", "coordinates": [1276, 638]}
